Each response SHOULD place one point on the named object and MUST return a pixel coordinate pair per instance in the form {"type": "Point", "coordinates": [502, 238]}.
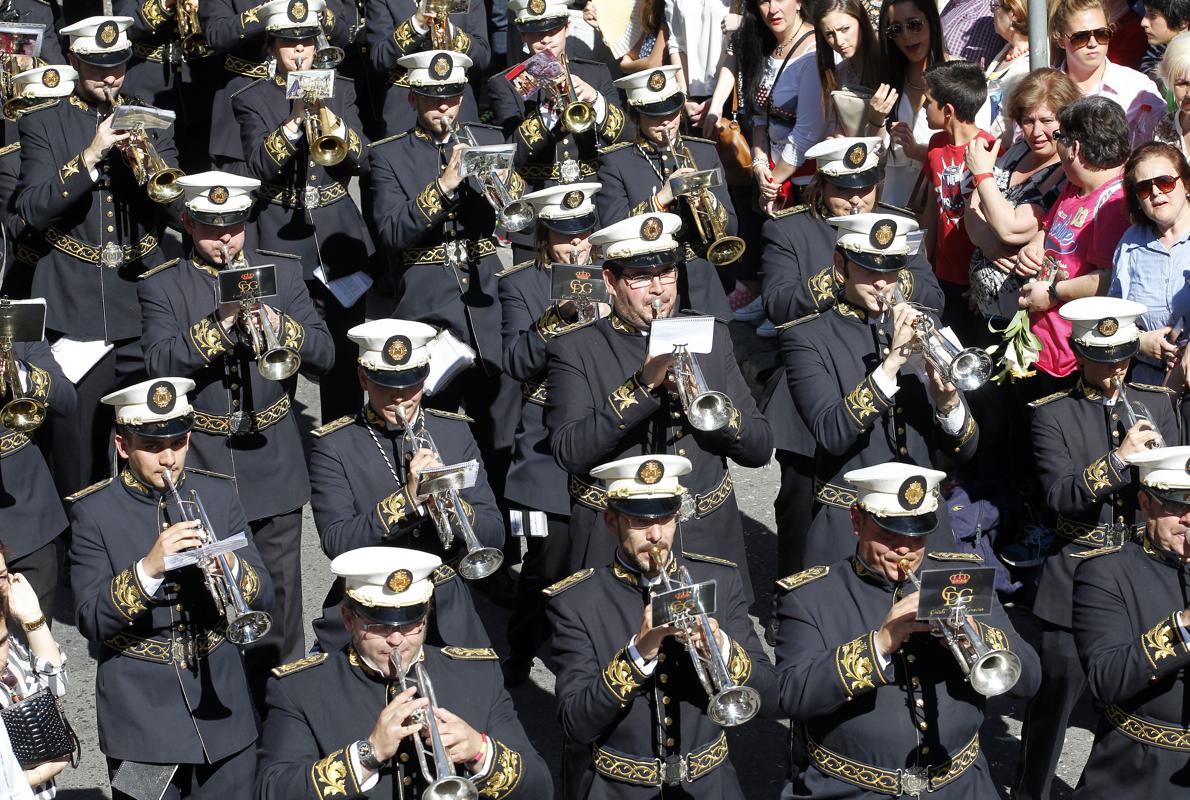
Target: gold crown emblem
{"type": "Point", "coordinates": [51, 78]}
{"type": "Point", "coordinates": [440, 66]}
{"type": "Point", "coordinates": [960, 578]}
{"type": "Point", "coordinates": [650, 472]}
{"type": "Point", "coordinates": [219, 195]}
{"type": "Point", "coordinates": [583, 274]}
{"type": "Point", "coordinates": [536, 7]}
{"type": "Point", "coordinates": [397, 350]}
{"type": "Point", "coordinates": [650, 229]}
{"type": "Point", "coordinates": [399, 581]}
{"type": "Point", "coordinates": [856, 154]}
{"type": "Point", "coordinates": [912, 493]}
{"type": "Point", "coordinates": [161, 397]}
{"type": "Point", "coordinates": [107, 34]}
{"type": "Point", "coordinates": [572, 199]}
{"type": "Point", "coordinates": [656, 81]}
{"type": "Point", "coordinates": [883, 233]}
{"type": "Point", "coordinates": [1107, 326]}
{"type": "Point", "coordinates": [297, 11]}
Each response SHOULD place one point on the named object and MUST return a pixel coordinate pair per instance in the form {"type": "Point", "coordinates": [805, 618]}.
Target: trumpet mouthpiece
{"type": "Point", "coordinates": [904, 565]}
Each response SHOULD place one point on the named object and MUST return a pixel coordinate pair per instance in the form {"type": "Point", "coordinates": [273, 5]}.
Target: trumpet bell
{"type": "Point", "coordinates": [163, 185]}
{"type": "Point", "coordinates": [970, 369]}
{"type": "Point", "coordinates": [726, 250]}
{"type": "Point", "coordinates": [578, 117]}
{"type": "Point", "coordinates": [516, 216]}
{"type": "Point", "coordinates": [22, 415]}
{"type": "Point", "coordinates": [278, 364]}
{"type": "Point", "coordinates": [709, 411]}
{"type": "Point", "coordinates": [248, 628]}
{"type": "Point", "coordinates": [995, 673]}
{"type": "Point", "coordinates": [327, 151]}
{"type": "Point", "coordinates": [733, 706]}
{"type": "Point", "coordinates": [479, 564]}
{"type": "Point", "coordinates": [450, 788]}
{"type": "Point", "coordinates": [329, 57]}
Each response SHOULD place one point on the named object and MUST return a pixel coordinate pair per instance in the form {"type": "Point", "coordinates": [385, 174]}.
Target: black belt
{"type": "Point", "coordinates": [479, 248]}
{"type": "Point", "coordinates": [220, 424]}
{"type": "Point", "coordinates": [831, 495]}
{"type": "Point", "coordinates": [1107, 535]}
{"type": "Point", "coordinates": [669, 771]}
{"type": "Point", "coordinates": [1167, 737]}
{"type": "Point", "coordinates": [893, 782]}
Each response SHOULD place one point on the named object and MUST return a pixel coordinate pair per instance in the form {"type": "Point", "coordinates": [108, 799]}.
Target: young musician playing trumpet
{"type": "Point", "coordinates": [625, 685]}
{"type": "Point", "coordinates": [159, 632]}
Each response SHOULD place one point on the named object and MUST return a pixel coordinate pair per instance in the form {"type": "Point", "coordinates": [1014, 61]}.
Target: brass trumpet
{"type": "Point", "coordinates": [578, 116]}
{"type": "Point", "coordinates": [22, 413]}
{"type": "Point", "coordinates": [438, 13]}
{"type": "Point", "coordinates": [188, 21]}
{"type": "Point", "coordinates": [990, 672]}
{"type": "Point", "coordinates": [150, 170]}
{"type": "Point", "coordinates": [326, 149]}
{"type": "Point", "coordinates": [721, 248]}
{"type": "Point", "coordinates": [274, 361]}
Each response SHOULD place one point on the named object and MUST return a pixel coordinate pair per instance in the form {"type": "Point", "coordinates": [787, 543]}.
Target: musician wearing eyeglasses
{"type": "Point", "coordinates": [239, 352]}
{"type": "Point", "coordinates": [639, 176]}
{"type": "Point", "coordinates": [638, 720]}
{"type": "Point", "coordinates": [556, 143]}
{"type": "Point", "coordinates": [799, 278]}
{"type": "Point", "coordinates": [608, 398]}
{"type": "Point", "coordinates": [305, 150]}
{"type": "Point", "coordinates": [884, 706]}
{"type": "Point", "coordinates": [1082, 440]}
{"type": "Point", "coordinates": [100, 231]}
{"type": "Point", "coordinates": [357, 722]}
{"type": "Point", "coordinates": [365, 473]}
{"type": "Point", "coordinates": [850, 376]}
{"type": "Point", "coordinates": [165, 644]}
{"type": "Point", "coordinates": [1131, 628]}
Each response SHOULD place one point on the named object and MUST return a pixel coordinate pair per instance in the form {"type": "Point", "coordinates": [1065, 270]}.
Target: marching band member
{"type": "Point", "coordinates": [637, 178]}
{"type": "Point", "coordinates": [632, 708]}
{"type": "Point", "coordinates": [308, 212]}
{"type": "Point", "coordinates": [884, 706]}
{"type": "Point", "coordinates": [244, 426]}
{"type": "Point", "coordinates": [364, 470]}
{"type": "Point", "coordinates": [608, 399]}
{"type": "Point", "coordinates": [344, 723]}
{"type": "Point", "coordinates": [161, 637]}
{"type": "Point", "coordinates": [101, 231]}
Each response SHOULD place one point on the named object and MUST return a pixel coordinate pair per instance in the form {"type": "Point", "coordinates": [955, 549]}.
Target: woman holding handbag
{"type": "Point", "coordinates": [848, 68]}
{"type": "Point", "coordinates": [30, 662]}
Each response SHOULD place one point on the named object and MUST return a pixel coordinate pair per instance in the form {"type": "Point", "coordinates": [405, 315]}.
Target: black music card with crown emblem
{"type": "Point", "coordinates": [683, 602]}
{"type": "Point", "coordinates": [582, 283]}
{"type": "Point", "coordinates": [942, 590]}
{"type": "Point", "coordinates": [248, 283]}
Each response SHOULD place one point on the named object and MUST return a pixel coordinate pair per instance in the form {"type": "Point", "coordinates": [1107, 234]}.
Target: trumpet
{"type": "Point", "coordinates": [188, 21]}
{"type": "Point", "coordinates": [444, 784]}
{"type": "Point", "coordinates": [967, 368]}
{"type": "Point", "coordinates": [513, 214]}
{"type": "Point", "coordinates": [274, 361]}
{"type": "Point", "coordinates": [446, 509]}
{"type": "Point", "coordinates": [22, 413]}
{"type": "Point", "coordinates": [1134, 412]}
{"type": "Point", "coordinates": [326, 55]}
{"type": "Point", "coordinates": [150, 170]}
{"type": "Point", "coordinates": [326, 149]}
{"type": "Point", "coordinates": [244, 626]}
{"type": "Point", "coordinates": [707, 410]}
{"type": "Point", "coordinates": [990, 671]}
{"type": "Point", "coordinates": [438, 15]}
{"type": "Point", "coordinates": [729, 704]}
{"type": "Point", "coordinates": [578, 115]}
{"type": "Point", "coordinates": [721, 248]}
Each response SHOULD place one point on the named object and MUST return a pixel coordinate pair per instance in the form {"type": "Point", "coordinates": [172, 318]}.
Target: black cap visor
{"type": "Point", "coordinates": [111, 58]}
{"type": "Point", "coordinates": [580, 224]}
{"type": "Point", "coordinates": [1172, 497]}
{"type": "Point", "coordinates": [168, 429]}
{"type": "Point", "coordinates": [876, 263]}
{"type": "Point", "coordinates": [221, 219]}
{"type": "Point", "coordinates": [1107, 355]}
{"type": "Point", "coordinates": [398, 379]}
{"type": "Point", "coordinates": [389, 615]}
{"type": "Point", "coordinates": [917, 525]}
{"type": "Point", "coordinates": [662, 108]}
{"type": "Point", "coordinates": [542, 24]}
{"type": "Point", "coordinates": [298, 33]}
{"type": "Point", "coordinates": [664, 259]}
{"type": "Point", "coordinates": [646, 507]}
{"type": "Point", "coordinates": [863, 179]}
{"type": "Point", "coordinates": [439, 89]}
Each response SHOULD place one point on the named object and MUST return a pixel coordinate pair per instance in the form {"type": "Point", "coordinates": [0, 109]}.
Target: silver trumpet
{"type": "Point", "coordinates": [729, 705]}
{"type": "Point", "coordinates": [990, 671]}
{"type": "Point", "coordinates": [444, 783]}
{"type": "Point", "coordinates": [967, 368]}
{"type": "Point", "coordinates": [446, 509]}
{"type": "Point", "coordinates": [326, 55]}
{"type": "Point", "coordinates": [1132, 412]}
{"type": "Point", "coordinates": [514, 214]}
{"type": "Point", "coordinates": [244, 626]}
{"type": "Point", "coordinates": [706, 409]}
{"type": "Point", "coordinates": [274, 361]}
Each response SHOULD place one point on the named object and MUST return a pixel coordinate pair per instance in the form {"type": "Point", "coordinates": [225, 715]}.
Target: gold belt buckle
{"type": "Point", "coordinates": [914, 781]}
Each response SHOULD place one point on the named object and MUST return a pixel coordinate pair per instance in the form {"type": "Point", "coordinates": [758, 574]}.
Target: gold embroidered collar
{"type": "Point", "coordinates": [1159, 555]}
{"type": "Point", "coordinates": [360, 663]}
{"type": "Point", "coordinates": [633, 576]}
{"type": "Point", "coordinates": [619, 324]}
{"type": "Point", "coordinates": [1088, 391]}
{"type": "Point", "coordinates": [847, 309]}
{"type": "Point", "coordinates": [423, 134]}
{"type": "Point", "coordinates": [137, 486]}
{"type": "Point", "coordinates": [202, 265]}
{"type": "Point", "coordinates": [866, 573]}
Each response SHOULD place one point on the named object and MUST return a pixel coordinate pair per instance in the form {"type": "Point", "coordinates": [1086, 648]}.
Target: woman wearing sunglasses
{"type": "Point", "coordinates": [1151, 258]}
{"type": "Point", "coordinates": [1082, 34]}
{"type": "Point", "coordinates": [910, 40]}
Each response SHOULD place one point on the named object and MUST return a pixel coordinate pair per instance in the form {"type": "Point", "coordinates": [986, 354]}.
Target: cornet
{"type": "Point", "coordinates": [444, 784]}
{"type": "Point", "coordinates": [514, 215]}
{"type": "Point", "coordinates": [22, 413]}
{"type": "Point", "coordinates": [326, 148]}
{"type": "Point", "coordinates": [150, 170]}
{"type": "Point", "coordinates": [446, 509]}
{"type": "Point", "coordinates": [1132, 414]}
{"type": "Point", "coordinates": [244, 626]}
{"type": "Point", "coordinates": [991, 672]}
{"type": "Point", "coordinates": [967, 368]}
{"type": "Point", "coordinates": [729, 704]}
{"type": "Point", "coordinates": [274, 361]}
{"type": "Point", "coordinates": [577, 115]}
{"type": "Point", "coordinates": [438, 15]}
{"type": "Point", "coordinates": [707, 410]}
{"type": "Point", "coordinates": [721, 248]}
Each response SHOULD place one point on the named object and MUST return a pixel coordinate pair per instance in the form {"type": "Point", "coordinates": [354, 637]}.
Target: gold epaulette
{"type": "Point", "coordinates": [1098, 551]}
{"type": "Point", "coordinates": [1148, 387]}
{"type": "Point", "coordinates": [709, 559]}
{"type": "Point", "coordinates": [10, 148]}
{"type": "Point", "coordinates": [470, 653]}
{"type": "Point", "coordinates": [567, 582]}
{"type": "Point", "coordinates": [331, 426]}
{"type": "Point", "coordinates": [294, 667]}
{"type": "Point", "coordinates": [611, 148]}
{"type": "Point", "coordinates": [1049, 398]}
{"type": "Point", "coordinates": [388, 139]}
{"type": "Point", "coordinates": [449, 415]}
{"type": "Point", "coordinates": [504, 273]}
{"type": "Point", "coordinates": [159, 268]}
{"type": "Point", "coordinates": [786, 212]}
{"type": "Point", "coordinates": [802, 578]}
{"type": "Point", "coordinates": [793, 323]}
{"type": "Point", "coordinates": [81, 493]}
{"type": "Point", "coordinates": [955, 556]}
{"type": "Point", "coordinates": [38, 107]}
{"type": "Point", "coordinates": [276, 253]}
{"type": "Point", "coordinates": [442, 574]}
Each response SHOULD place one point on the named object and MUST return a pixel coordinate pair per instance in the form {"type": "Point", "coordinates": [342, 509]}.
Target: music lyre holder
{"type": "Point", "coordinates": [201, 553]}
{"type": "Point", "coordinates": [683, 602]}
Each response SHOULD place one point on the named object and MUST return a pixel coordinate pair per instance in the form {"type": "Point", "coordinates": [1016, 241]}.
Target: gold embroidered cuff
{"type": "Point", "coordinates": [278, 146]}
{"type": "Point", "coordinates": [462, 42]}
{"type": "Point", "coordinates": [1162, 641]}
{"type": "Point", "coordinates": [39, 383]}
{"type": "Point", "coordinates": [739, 664]}
{"type": "Point", "coordinates": [71, 168]}
{"type": "Point", "coordinates": [967, 431]}
{"type": "Point", "coordinates": [330, 775]}
{"type": "Point", "coordinates": [153, 14]}
{"type": "Point", "coordinates": [127, 595]}
{"type": "Point", "coordinates": [866, 402]}
{"type": "Point", "coordinates": [858, 666]}
{"type": "Point", "coordinates": [643, 207]}
{"type": "Point", "coordinates": [822, 287]}
{"type": "Point", "coordinates": [250, 16]}
{"type": "Point", "coordinates": [551, 323]}
{"type": "Point", "coordinates": [627, 394]}
{"type": "Point", "coordinates": [995, 637]}
{"type": "Point", "coordinates": [505, 775]}
{"type": "Point", "coordinates": [621, 677]}
{"type": "Point", "coordinates": [532, 130]}
{"type": "Point", "coordinates": [405, 36]}
{"type": "Point", "coordinates": [209, 338]}
{"type": "Point", "coordinates": [613, 124]}
{"type": "Point", "coordinates": [1101, 476]}
{"type": "Point", "coordinates": [355, 145]}
{"type": "Point", "coordinates": [396, 509]}
{"type": "Point", "coordinates": [293, 335]}
{"type": "Point", "coordinates": [431, 202]}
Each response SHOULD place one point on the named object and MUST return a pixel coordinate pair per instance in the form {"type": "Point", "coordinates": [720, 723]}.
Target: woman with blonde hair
{"type": "Point", "coordinates": [1174, 70]}
{"type": "Point", "coordinates": [1011, 18]}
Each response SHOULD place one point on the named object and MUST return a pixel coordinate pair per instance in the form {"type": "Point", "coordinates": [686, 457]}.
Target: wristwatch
{"type": "Point", "coordinates": [367, 755]}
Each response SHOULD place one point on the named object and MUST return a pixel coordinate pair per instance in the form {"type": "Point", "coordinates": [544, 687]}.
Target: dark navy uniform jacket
{"type": "Point", "coordinates": [829, 360]}
{"type": "Point", "coordinates": [597, 411]}
{"type": "Point", "coordinates": [321, 705]}
{"type": "Point", "coordinates": [798, 279]}
{"type": "Point", "coordinates": [166, 654]}
{"type": "Point", "coordinates": [326, 227]}
{"type": "Point", "coordinates": [415, 220]}
{"type": "Point", "coordinates": [918, 710]}
{"type": "Point", "coordinates": [31, 513]}
{"type": "Point", "coordinates": [1073, 433]}
{"type": "Point", "coordinates": [631, 174]}
{"type": "Point", "coordinates": [182, 337]}
{"type": "Point", "coordinates": [1126, 629]}
{"type": "Point", "coordinates": [391, 35]}
{"type": "Point", "coordinates": [606, 702]}
{"type": "Point", "coordinates": [78, 216]}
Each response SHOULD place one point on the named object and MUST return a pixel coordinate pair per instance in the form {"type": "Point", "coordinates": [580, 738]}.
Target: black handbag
{"type": "Point", "coordinates": [39, 731]}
